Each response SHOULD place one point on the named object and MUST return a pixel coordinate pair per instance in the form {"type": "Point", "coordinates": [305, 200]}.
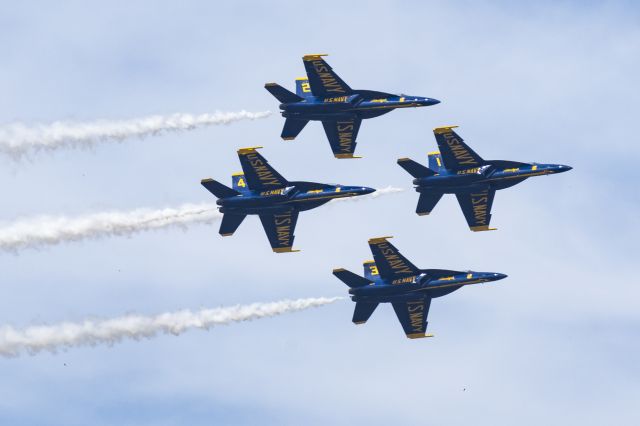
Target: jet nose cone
{"type": "Point", "coordinates": [366, 190]}
{"type": "Point", "coordinates": [498, 276]}
{"type": "Point", "coordinates": [430, 101]}
{"type": "Point", "coordinates": [563, 168]}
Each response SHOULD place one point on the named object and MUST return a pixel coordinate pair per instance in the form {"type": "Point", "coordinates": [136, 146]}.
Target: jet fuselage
{"type": "Point", "coordinates": [451, 181]}
{"type": "Point", "coordinates": [424, 283]}
{"type": "Point", "coordinates": [357, 105]}
{"type": "Point", "coordinates": [256, 202]}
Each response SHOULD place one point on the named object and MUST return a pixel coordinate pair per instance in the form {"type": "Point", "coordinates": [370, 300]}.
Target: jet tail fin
{"type": "Point", "coordinates": [302, 87]}
{"type": "Point", "coordinates": [218, 189]}
{"type": "Point", "coordinates": [415, 169]}
{"type": "Point", "coordinates": [435, 161]}
{"type": "Point", "coordinates": [282, 94]}
{"type": "Point", "coordinates": [351, 279]}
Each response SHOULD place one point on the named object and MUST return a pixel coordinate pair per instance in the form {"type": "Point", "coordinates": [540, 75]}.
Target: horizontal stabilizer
{"type": "Point", "coordinates": [415, 169]}
{"type": "Point", "coordinates": [230, 222]}
{"type": "Point", "coordinates": [218, 189]}
{"type": "Point", "coordinates": [427, 202]}
{"type": "Point", "coordinates": [292, 128]}
{"type": "Point", "coordinates": [282, 94]}
{"type": "Point", "coordinates": [351, 279]}
{"type": "Point", "coordinates": [363, 311]}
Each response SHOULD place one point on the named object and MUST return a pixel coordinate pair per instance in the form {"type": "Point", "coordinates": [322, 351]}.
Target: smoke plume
{"type": "Point", "coordinates": [18, 139]}
{"type": "Point", "coordinates": [34, 339]}
{"type": "Point", "coordinates": [41, 231]}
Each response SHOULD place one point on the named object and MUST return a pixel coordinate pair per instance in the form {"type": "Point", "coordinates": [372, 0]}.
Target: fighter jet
{"type": "Point", "coordinates": [457, 169]}
{"type": "Point", "coordinates": [261, 190]}
{"type": "Point", "coordinates": [323, 96]}
{"type": "Point", "coordinates": [391, 278]}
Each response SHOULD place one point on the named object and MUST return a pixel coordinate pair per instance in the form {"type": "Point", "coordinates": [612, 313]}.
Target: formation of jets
{"type": "Point", "coordinates": [454, 169]}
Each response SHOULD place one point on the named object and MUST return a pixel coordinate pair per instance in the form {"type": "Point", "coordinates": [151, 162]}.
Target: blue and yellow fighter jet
{"type": "Point", "coordinates": [323, 96]}
{"type": "Point", "coordinates": [391, 278]}
{"type": "Point", "coordinates": [261, 190]}
{"type": "Point", "coordinates": [457, 169]}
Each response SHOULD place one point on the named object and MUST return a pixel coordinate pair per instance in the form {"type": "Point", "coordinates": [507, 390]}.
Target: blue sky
{"type": "Point", "coordinates": [551, 82]}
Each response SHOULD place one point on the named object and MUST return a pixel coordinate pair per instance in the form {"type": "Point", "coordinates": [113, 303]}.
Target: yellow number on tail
{"type": "Point", "coordinates": [373, 269]}
{"type": "Point", "coordinates": [241, 182]}
{"type": "Point", "coordinates": [306, 88]}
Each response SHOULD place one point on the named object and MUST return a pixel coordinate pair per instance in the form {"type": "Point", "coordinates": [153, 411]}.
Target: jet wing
{"type": "Point", "coordinates": [476, 206]}
{"type": "Point", "coordinates": [412, 314]}
{"type": "Point", "coordinates": [279, 229]}
{"type": "Point", "coordinates": [258, 173]}
{"type": "Point", "coordinates": [342, 136]}
{"type": "Point", "coordinates": [323, 81]}
{"type": "Point", "coordinates": [456, 155]}
{"type": "Point", "coordinates": [390, 263]}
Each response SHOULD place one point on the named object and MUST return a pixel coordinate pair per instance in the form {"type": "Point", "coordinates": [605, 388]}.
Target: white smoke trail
{"type": "Point", "coordinates": [34, 339]}
{"type": "Point", "coordinates": [42, 231]}
{"type": "Point", "coordinates": [389, 190]}
{"type": "Point", "coordinates": [18, 139]}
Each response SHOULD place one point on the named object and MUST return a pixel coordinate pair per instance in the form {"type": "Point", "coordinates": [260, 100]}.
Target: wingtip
{"type": "Point", "coordinates": [419, 335]}
{"type": "Point", "coordinates": [377, 240]}
{"type": "Point", "coordinates": [443, 129]}
{"type": "Point", "coordinates": [344, 156]}
{"type": "Point", "coordinates": [313, 56]}
{"type": "Point", "coordinates": [482, 228]}
{"type": "Point", "coordinates": [206, 180]}
{"type": "Point", "coordinates": [285, 250]}
{"type": "Point", "coordinates": [249, 149]}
